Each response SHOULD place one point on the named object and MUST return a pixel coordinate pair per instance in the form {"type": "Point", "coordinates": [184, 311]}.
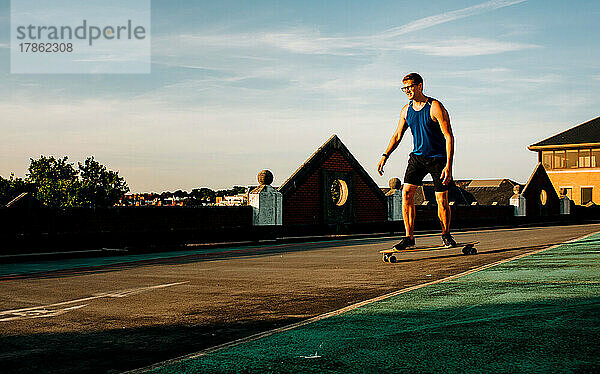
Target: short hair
{"type": "Point", "coordinates": [415, 77]}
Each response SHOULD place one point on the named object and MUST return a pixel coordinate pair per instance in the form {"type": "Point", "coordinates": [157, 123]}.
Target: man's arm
{"type": "Point", "coordinates": [440, 115]}
{"type": "Point", "coordinates": [395, 140]}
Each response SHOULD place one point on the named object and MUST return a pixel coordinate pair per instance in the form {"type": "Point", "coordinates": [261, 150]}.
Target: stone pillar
{"type": "Point", "coordinates": [518, 201]}
{"type": "Point", "coordinates": [394, 200]}
{"type": "Point", "coordinates": [266, 202]}
{"type": "Point", "coordinates": [565, 202]}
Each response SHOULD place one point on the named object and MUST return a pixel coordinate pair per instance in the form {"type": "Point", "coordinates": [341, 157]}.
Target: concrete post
{"type": "Point", "coordinates": [518, 201]}
{"type": "Point", "coordinates": [266, 202]}
{"type": "Point", "coordinates": [394, 200]}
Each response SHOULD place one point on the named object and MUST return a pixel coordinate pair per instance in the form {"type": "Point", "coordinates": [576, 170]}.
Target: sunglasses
{"type": "Point", "coordinates": [406, 88]}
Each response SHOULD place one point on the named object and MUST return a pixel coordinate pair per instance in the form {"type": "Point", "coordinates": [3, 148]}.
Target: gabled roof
{"type": "Point", "coordinates": [316, 160]}
{"type": "Point", "coordinates": [538, 178]}
{"type": "Point", "coordinates": [540, 194]}
{"type": "Point", "coordinates": [587, 133]}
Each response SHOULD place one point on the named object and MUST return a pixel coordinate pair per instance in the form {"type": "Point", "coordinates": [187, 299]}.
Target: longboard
{"type": "Point", "coordinates": [468, 248]}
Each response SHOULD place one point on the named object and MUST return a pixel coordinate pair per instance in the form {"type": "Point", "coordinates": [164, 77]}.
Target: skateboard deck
{"type": "Point", "coordinates": [468, 248]}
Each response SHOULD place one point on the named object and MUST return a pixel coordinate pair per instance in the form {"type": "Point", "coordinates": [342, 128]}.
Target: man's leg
{"type": "Point", "coordinates": [408, 208]}
{"type": "Point", "coordinates": [443, 211]}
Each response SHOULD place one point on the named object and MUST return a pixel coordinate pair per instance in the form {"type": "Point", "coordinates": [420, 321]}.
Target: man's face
{"type": "Point", "coordinates": [410, 88]}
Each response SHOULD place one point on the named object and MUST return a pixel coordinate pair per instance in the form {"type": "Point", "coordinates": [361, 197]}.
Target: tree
{"type": "Point", "coordinates": [13, 187]}
{"type": "Point", "coordinates": [180, 194]}
{"type": "Point", "coordinates": [59, 184]}
{"type": "Point", "coordinates": [99, 187]}
{"type": "Point", "coordinates": [4, 191]}
{"type": "Point", "coordinates": [55, 180]}
{"type": "Point", "coordinates": [203, 193]}
{"type": "Point", "coordinates": [166, 195]}
{"type": "Point", "coordinates": [236, 190]}
{"type": "Point", "coordinates": [200, 196]}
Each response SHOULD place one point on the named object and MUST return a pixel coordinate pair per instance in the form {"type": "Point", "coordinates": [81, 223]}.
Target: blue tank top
{"type": "Point", "coordinates": [428, 138]}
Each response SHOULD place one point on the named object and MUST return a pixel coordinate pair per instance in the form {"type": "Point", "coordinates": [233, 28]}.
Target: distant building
{"type": "Point", "coordinates": [469, 192]}
{"type": "Point", "coordinates": [572, 161]}
{"type": "Point", "coordinates": [332, 188]}
{"type": "Point", "coordinates": [235, 200]}
{"type": "Point", "coordinates": [149, 199]}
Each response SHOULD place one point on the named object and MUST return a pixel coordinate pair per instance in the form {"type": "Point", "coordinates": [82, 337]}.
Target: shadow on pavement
{"type": "Point", "coordinates": [399, 258]}
{"type": "Point", "coordinates": [119, 349]}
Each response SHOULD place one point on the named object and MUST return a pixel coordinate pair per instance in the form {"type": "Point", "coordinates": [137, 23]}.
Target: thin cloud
{"type": "Point", "coordinates": [311, 42]}
{"type": "Point", "coordinates": [437, 19]}
{"type": "Point", "coordinates": [500, 75]}
{"type": "Point", "coordinates": [468, 47]}
{"type": "Point", "coordinates": [479, 73]}
{"type": "Point", "coordinates": [299, 41]}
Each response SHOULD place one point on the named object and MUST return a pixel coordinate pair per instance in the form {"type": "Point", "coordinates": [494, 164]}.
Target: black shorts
{"type": "Point", "coordinates": [419, 166]}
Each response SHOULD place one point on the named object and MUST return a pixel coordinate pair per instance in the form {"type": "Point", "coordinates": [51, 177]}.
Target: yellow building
{"type": "Point", "coordinates": [572, 161]}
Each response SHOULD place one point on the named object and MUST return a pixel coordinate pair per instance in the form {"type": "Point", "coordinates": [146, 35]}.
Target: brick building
{"type": "Point", "coordinates": [572, 161]}
{"type": "Point", "coordinates": [331, 187]}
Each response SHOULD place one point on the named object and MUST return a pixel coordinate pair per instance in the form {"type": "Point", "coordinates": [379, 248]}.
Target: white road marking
{"type": "Point", "coordinates": [52, 310]}
{"type": "Point", "coordinates": [40, 313]}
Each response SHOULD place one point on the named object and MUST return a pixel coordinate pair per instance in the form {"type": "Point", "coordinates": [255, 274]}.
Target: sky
{"type": "Point", "coordinates": [241, 86]}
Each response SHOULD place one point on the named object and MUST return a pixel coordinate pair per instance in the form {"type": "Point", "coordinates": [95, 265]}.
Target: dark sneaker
{"type": "Point", "coordinates": [405, 243]}
{"type": "Point", "coordinates": [448, 240]}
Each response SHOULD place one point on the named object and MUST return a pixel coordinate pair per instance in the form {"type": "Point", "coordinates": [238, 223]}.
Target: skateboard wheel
{"type": "Point", "coordinates": [392, 259]}
{"type": "Point", "coordinates": [466, 250]}
{"type": "Point", "coordinates": [473, 251]}
{"type": "Point", "coordinates": [385, 258]}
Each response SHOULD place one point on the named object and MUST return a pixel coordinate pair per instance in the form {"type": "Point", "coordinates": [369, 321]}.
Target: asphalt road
{"type": "Point", "coordinates": [119, 317]}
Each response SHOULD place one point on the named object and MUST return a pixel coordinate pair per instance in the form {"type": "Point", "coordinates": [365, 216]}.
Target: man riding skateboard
{"type": "Point", "coordinates": [433, 154]}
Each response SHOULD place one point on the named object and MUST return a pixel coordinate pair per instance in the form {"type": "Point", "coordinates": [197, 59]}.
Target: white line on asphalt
{"type": "Point", "coordinates": [50, 310]}
{"type": "Point", "coordinates": [40, 313]}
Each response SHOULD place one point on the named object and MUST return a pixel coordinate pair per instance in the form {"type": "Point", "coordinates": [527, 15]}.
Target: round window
{"type": "Point", "coordinates": [339, 192]}
{"type": "Point", "coordinates": [543, 197]}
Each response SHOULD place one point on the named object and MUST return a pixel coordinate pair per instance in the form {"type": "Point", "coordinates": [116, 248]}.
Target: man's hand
{"type": "Point", "coordinates": [446, 175]}
{"type": "Point", "coordinates": [380, 165]}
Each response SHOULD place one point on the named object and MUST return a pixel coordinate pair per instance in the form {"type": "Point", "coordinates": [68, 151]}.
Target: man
{"type": "Point", "coordinates": [433, 153]}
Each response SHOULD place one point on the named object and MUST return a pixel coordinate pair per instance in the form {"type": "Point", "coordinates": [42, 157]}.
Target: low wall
{"type": "Point", "coordinates": [87, 228]}
{"type": "Point", "coordinates": [162, 228]}
{"type": "Point", "coordinates": [463, 217]}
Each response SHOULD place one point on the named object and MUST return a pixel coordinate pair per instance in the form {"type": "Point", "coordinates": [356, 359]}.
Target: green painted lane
{"type": "Point", "coordinates": [535, 314]}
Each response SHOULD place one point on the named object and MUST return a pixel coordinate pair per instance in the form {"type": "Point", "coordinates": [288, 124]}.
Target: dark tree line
{"type": "Point", "coordinates": [56, 182]}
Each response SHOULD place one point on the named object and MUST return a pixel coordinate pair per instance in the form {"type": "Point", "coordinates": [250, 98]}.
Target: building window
{"type": "Point", "coordinates": [572, 155]}
{"type": "Point", "coordinates": [586, 195]}
{"type": "Point", "coordinates": [567, 192]}
{"type": "Point", "coordinates": [585, 158]}
{"type": "Point", "coordinates": [571, 159]}
{"type": "Point", "coordinates": [339, 192]}
{"type": "Point", "coordinates": [543, 197]}
{"type": "Point", "coordinates": [547, 159]}
{"type": "Point", "coordinates": [560, 159]}
{"type": "Point", "coordinates": [595, 159]}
